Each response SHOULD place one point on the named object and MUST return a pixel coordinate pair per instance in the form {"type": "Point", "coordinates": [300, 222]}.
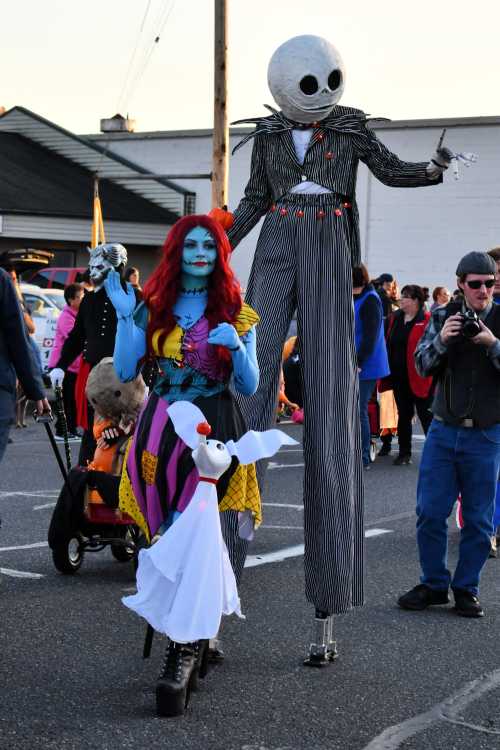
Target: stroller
{"type": "Point", "coordinates": [87, 517]}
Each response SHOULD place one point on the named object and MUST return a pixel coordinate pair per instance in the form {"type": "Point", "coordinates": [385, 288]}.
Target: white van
{"type": "Point", "coordinates": [44, 306]}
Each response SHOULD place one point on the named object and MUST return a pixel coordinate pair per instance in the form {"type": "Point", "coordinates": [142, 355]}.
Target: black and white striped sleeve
{"type": "Point", "coordinates": [257, 196]}
{"type": "Point", "coordinates": [389, 169]}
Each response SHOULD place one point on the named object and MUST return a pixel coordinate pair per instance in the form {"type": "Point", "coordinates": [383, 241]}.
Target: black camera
{"type": "Point", "coordinates": [470, 324]}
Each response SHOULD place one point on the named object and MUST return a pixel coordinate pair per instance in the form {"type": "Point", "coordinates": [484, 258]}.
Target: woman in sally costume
{"type": "Point", "coordinates": [194, 324]}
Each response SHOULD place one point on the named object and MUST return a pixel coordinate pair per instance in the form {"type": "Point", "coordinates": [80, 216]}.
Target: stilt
{"type": "Point", "coordinates": [323, 649]}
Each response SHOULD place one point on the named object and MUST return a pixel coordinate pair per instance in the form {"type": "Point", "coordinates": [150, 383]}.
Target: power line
{"type": "Point", "coordinates": [132, 58]}
{"type": "Point", "coordinates": [163, 20]}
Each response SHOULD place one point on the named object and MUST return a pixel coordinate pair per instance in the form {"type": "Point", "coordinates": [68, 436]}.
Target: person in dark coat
{"type": "Point", "coordinates": [384, 288]}
{"type": "Point", "coordinates": [93, 336]}
{"type": "Point", "coordinates": [371, 350]}
{"type": "Point", "coordinates": [16, 360]}
{"type": "Point", "coordinates": [411, 390]}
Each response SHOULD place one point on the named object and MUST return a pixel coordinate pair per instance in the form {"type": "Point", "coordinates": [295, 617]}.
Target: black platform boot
{"type": "Point", "coordinates": [202, 662]}
{"type": "Point", "coordinates": [177, 678]}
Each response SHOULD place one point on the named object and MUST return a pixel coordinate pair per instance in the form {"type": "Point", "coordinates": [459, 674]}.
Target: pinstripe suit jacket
{"type": "Point", "coordinates": [331, 161]}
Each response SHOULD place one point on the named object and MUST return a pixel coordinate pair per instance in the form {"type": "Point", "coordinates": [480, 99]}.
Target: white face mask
{"type": "Point", "coordinates": [306, 77]}
{"type": "Point", "coordinates": [102, 259]}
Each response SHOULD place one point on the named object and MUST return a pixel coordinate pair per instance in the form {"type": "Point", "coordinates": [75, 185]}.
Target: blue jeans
{"type": "Point", "coordinates": [4, 434]}
{"type": "Point", "coordinates": [365, 391]}
{"type": "Point", "coordinates": [496, 517]}
{"type": "Point", "coordinates": [456, 460]}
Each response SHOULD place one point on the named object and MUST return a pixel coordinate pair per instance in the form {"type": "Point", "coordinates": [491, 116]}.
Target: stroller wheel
{"type": "Point", "coordinates": [68, 557]}
{"type": "Point", "coordinates": [123, 553]}
{"type": "Point", "coordinates": [373, 450]}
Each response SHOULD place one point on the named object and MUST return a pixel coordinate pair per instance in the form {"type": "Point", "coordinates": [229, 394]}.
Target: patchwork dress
{"type": "Point", "coordinates": [159, 476]}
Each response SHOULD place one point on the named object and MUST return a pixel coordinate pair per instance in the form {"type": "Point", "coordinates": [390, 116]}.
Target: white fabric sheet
{"type": "Point", "coordinates": [185, 582]}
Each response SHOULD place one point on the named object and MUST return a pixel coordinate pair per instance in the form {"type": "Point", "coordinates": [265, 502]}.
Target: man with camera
{"type": "Point", "coordinates": [461, 349]}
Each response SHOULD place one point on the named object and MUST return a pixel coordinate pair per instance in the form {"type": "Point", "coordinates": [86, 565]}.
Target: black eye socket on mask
{"type": "Point", "coordinates": [334, 79]}
{"type": "Point", "coordinates": [309, 85]}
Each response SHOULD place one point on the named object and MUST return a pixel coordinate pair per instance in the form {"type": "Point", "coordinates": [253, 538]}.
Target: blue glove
{"type": "Point", "coordinates": [123, 302]}
{"type": "Point", "coordinates": [225, 335]}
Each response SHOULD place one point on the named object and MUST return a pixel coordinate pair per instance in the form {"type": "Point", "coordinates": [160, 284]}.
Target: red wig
{"type": "Point", "coordinates": [163, 287]}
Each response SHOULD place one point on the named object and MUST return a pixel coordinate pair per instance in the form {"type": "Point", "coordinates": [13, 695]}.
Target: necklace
{"type": "Point", "coordinates": [203, 290]}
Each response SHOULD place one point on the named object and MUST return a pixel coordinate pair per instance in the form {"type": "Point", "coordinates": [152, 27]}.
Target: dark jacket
{"type": "Point", "coordinates": [467, 375]}
{"type": "Point", "coordinates": [339, 143]}
{"type": "Point", "coordinates": [420, 386]}
{"type": "Point", "coordinates": [16, 355]}
{"type": "Point", "coordinates": [94, 332]}
{"type": "Point", "coordinates": [369, 335]}
{"type": "Point", "coordinates": [386, 302]}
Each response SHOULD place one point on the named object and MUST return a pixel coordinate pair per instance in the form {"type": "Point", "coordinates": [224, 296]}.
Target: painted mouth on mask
{"type": "Point", "coordinates": [324, 107]}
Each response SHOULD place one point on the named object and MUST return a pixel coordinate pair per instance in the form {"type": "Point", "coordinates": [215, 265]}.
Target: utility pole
{"type": "Point", "coordinates": [220, 162]}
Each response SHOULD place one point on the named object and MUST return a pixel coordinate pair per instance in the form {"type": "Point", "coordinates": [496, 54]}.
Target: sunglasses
{"type": "Point", "coordinates": [476, 284]}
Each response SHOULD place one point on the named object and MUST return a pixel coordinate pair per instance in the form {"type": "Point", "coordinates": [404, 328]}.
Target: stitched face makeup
{"type": "Point", "coordinates": [199, 253]}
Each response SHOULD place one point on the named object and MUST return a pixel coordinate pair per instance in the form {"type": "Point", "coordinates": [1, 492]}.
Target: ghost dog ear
{"type": "Point", "coordinates": [186, 417]}
{"type": "Point", "coordinates": [255, 445]}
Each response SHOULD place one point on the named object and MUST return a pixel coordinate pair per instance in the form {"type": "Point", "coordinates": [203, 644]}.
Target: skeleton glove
{"type": "Point", "coordinates": [439, 162]}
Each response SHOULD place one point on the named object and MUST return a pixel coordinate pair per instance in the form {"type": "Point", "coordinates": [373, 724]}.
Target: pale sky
{"type": "Point", "coordinates": [68, 60]}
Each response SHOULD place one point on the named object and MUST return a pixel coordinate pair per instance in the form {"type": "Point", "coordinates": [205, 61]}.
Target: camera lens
{"type": "Point", "coordinates": [471, 325]}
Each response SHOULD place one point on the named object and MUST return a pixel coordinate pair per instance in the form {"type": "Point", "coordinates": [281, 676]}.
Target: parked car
{"type": "Point", "coordinates": [44, 306]}
{"type": "Point", "coordinates": [26, 260]}
{"type": "Point", "coordinates": [55, 277]}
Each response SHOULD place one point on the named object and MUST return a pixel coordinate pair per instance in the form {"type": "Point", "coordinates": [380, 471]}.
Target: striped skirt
{"type": "Point", "coordinates": [303, 263]}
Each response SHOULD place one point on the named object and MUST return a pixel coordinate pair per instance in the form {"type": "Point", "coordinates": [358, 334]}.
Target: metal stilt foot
{"type": "Point", "coordinates": [323, 649]}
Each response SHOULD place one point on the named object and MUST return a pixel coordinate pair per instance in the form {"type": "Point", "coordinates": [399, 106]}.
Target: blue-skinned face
{"type": "Point", "coordinates": [199, 253]}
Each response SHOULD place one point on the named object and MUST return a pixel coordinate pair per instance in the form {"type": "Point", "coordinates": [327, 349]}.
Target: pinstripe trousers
{"type": "Point", "coordinates": [303, 262]}
{"type": "Point", "coordinates": [236, 546]}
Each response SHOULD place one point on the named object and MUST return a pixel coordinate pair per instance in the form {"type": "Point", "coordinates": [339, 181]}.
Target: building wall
{"type": "Point", "coordinates": [72, 254]}
{"type": "Point", "coordinates": [70, 237]}
{"type": "Point", "coordinates": [417, 234]}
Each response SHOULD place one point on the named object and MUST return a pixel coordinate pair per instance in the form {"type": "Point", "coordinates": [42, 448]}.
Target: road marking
{"type": "Point", "coordinates": [24, 546]}
{"type": "Point", "coordinates": [19, 573]}
{"type": "Point", "coordinates": [31, 493]}
{"type": "Point", "coordinates": [266, 526]}
{"type": "Point", "coordinates": [42, 507]}
{"type": "Point", "coordinates": [450, 710]}
{"type": "Point", "coordinates": [253, 560]}
{"type": "Point", "coordinates": [272, 466]}
{"type": "Point", "coordinates": [297, 551]}
{"type": "Point", "coordinates": [283, 505]}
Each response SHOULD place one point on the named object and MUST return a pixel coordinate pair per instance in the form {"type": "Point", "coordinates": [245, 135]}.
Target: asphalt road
{"type": "Point", "coordinates": [72, 676]}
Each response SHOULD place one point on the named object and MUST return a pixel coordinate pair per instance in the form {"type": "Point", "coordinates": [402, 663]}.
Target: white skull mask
{"type": "Point", "coordinates": [306, 77]}
{"type": "Point", "coordinates": [102, 259]}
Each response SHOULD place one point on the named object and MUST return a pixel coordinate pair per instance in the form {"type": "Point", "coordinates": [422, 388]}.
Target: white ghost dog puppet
{"type": "Point", "coordinates": [185, 582]}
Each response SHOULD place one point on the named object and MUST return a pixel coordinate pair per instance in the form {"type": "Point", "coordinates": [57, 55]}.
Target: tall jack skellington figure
{"type": "Point", "coordinates": [303, 177]}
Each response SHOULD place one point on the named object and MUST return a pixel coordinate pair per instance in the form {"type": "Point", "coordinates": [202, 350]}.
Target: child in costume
{"type": "Point", "coordinates": [194, 324]}
{"type": "Point", "coordinates": [91, 494]}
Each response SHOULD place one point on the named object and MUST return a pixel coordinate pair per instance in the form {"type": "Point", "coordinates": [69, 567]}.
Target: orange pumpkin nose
{"type": "Point", "coordinates": [204, 429]}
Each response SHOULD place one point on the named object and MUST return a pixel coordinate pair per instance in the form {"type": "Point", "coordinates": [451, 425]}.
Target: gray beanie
{"type": "Point", "coordinates": [475, 262]}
